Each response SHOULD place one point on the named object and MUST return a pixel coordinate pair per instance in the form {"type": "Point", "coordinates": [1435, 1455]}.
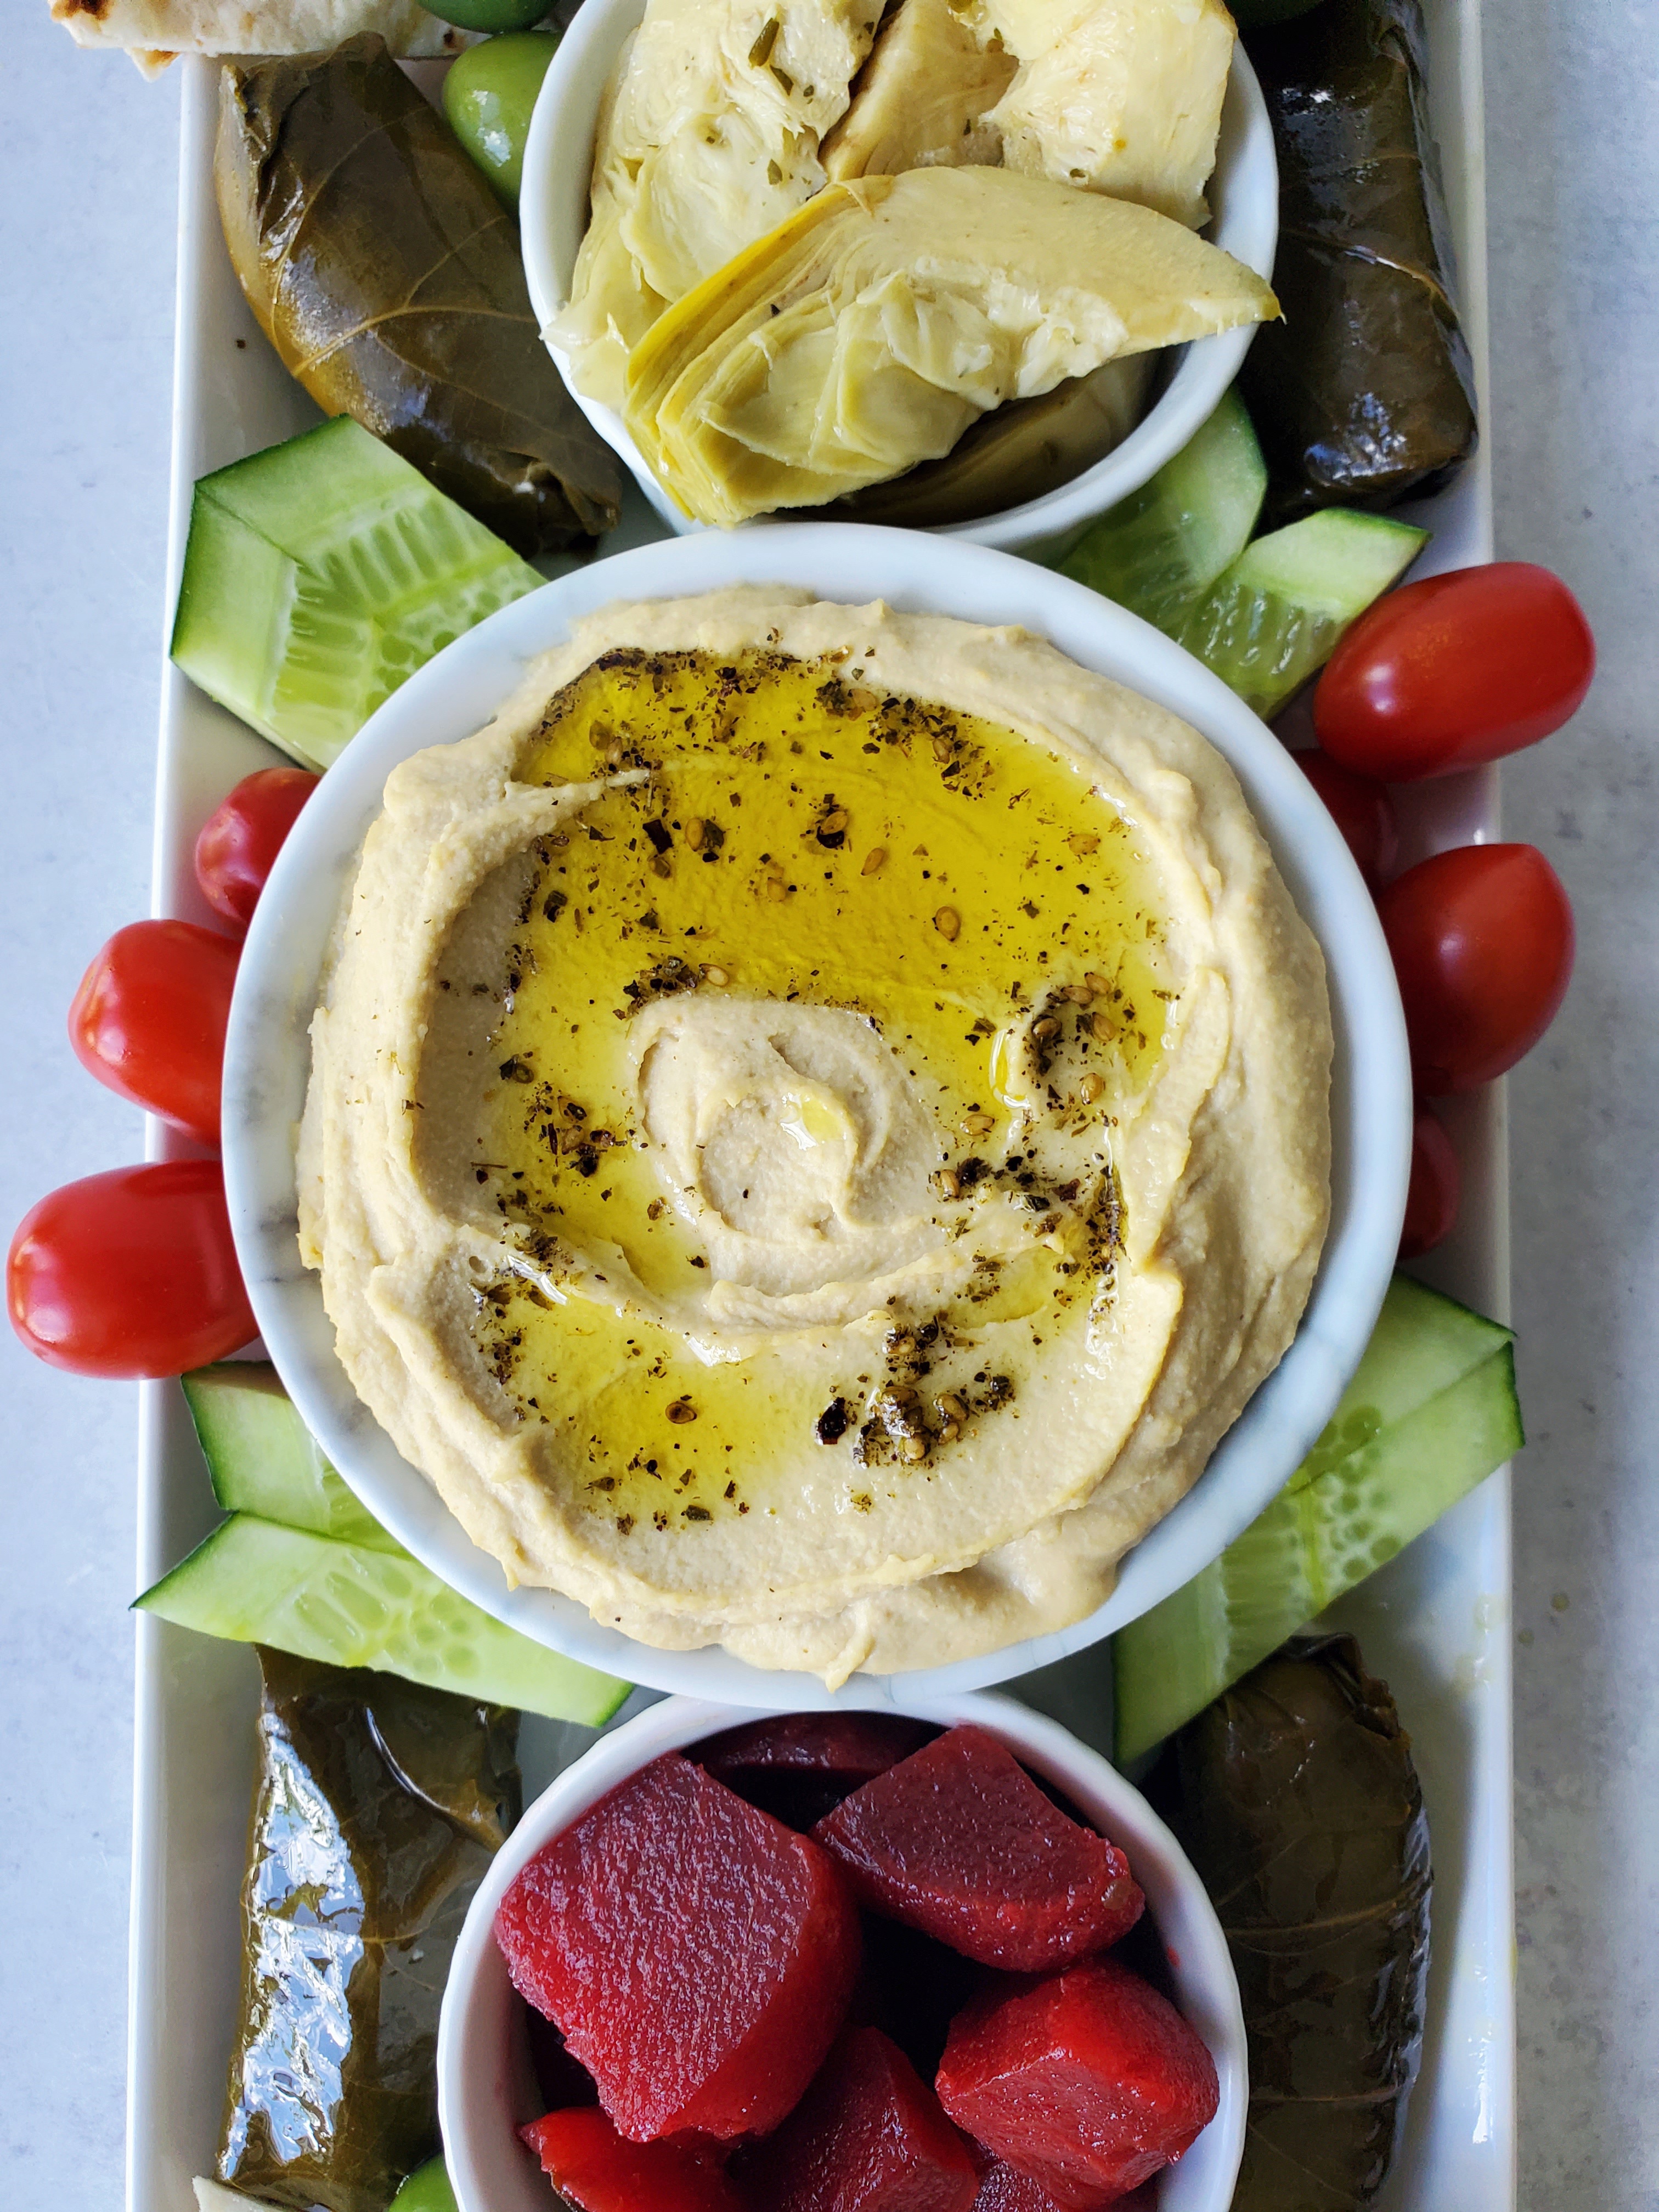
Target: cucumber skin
{"type": "Point", "coordinates": [1255, 629]}
{"type": "Point", "coordinates": [1300, 1555]}
{"type": "Point", "coordinates": [1339, 560]}
{"type": "Point", "coordinates": [261, 1459]}
{"type": "Point", "coordinates": [260, 544]}
{"type": "Point", "coordinates": [257, 1582]}
{"type": "Point", "coordinates": [1262, 614]}
{"type": "Point", "coordinates": [1423, 1343]}
{"type": "Point", "coordinates": [1158, 551]}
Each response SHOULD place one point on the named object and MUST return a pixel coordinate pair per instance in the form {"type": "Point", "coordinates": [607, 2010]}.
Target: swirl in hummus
{"type": "Point", "coordinates": [818, 1123]}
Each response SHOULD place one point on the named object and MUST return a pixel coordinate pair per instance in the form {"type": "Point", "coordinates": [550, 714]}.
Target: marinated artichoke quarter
{"type": "Point", "coordinates": [748, 252]}
{"type": "Point", "coordinates": [867, 332]}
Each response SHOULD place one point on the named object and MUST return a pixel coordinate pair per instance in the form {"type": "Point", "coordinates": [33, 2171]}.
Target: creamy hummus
{"type": "Point", "coordinates": [818, 1123]}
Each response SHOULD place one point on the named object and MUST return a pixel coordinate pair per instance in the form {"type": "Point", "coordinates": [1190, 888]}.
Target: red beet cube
{"type": "Point", "coordinates": [958, 1840]}
{"type": "Point", "coordinates": [869, 2136]}
{"type": "Point", "coordinates": [1088, 2082]}
{"type": "Point", "coordinates": [853, 1746]}
{"type": "Point", "coordinates": [1002, 2189]}
{"type": "Point", "coordinates": [597, 2170]}
{"type": "Point", "coordinates": [697, 1955]}
{"type": "Point", "coordinates": [798, 1766]}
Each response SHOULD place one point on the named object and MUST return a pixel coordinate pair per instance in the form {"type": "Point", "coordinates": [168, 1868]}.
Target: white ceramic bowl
{"type": "Point", "coordinates": [485, 2085]}
{"type": "Point", "coordinates": [1243, 196]}
{"type": "Point", "coordinates": [267, 1062]}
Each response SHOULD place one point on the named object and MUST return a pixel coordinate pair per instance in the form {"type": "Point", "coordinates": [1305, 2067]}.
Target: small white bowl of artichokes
{"type": "Point", "coordinates": [984, 276]}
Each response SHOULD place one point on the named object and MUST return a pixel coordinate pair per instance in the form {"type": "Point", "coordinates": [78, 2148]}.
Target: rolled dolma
{"type": "Point", "coordinates": [1300, 1808]}
{"type": "Point", "coordinates": [1364, 393]}
{"type": "Point", "coordinates": [379, 1803]}
{"type": "Point", "coordinates": [387, 275]}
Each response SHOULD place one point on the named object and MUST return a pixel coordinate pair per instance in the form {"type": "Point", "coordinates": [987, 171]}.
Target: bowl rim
{"type": "Point", "coordinates": [267, 1063]}
{"type": "Point", "coordinates": [475, 2074]}
{"type": "Point", "coordinates": [553, 203]}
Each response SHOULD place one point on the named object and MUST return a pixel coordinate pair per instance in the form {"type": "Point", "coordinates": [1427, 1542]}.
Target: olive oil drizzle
{"type": "Point", "coordinates": [787, 831]}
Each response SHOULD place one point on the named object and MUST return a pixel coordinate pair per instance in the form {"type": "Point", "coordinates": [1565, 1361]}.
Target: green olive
{"type": "Point", "coordinates": [488, 95]}
{"type": "Point", "coordinates": [427, 2190]}
{"type": "Point", "coordinates": [491, 14]}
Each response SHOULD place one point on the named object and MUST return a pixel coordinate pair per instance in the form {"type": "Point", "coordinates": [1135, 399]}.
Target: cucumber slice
{"type": "Point", "coordinates": [428, 2189]}
{"type": "Point", "coordinates": [1158, 551]}
{"type": "Point", "coordinates": [1275, 615]}
{"type": "Point", "coordinates": [254, 1581]}
{"type": "Point", "coordinates": [264, 1460]}
{"type": "Point", "coordinates": [1419, 1426]}
{"type": "Point", "coordinates": [319, 575]}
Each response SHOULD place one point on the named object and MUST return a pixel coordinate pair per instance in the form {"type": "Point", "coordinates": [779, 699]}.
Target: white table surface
{"type": "Point", "coordinates": [88, 161]}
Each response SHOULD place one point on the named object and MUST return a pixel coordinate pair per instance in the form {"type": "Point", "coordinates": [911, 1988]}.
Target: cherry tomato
{"type": "Point", "coordinates": [131, 1273]}
{"type": "Point", "coordinates": [1437, 1184]}
{"type": "Point", "coordinates": [1482, 942]}
{"type": "Point", "coordinates": [150, 1018]}
{"type": "Point", "coordinates": [241, 838]}
{"type": "Point", "coordinates": [1454, 671]}
{"type": "Point", "coordinates": [1362, 810]}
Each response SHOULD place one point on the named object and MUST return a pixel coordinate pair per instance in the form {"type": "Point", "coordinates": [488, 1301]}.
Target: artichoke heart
{"type": "Point", "coordinates": [1117, 96]}
{"type": "Point", "coordinates": [868, 330]}
{"type": "Point", "coordinates": [707, 136]}
{"type": "Point", "coordinates": [920, 97]}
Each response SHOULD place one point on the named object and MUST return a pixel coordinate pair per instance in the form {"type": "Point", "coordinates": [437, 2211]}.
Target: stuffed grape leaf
{"type": "Point", "coordinates": [1300, 1808]}
{"type": "Point", "coordinates": [1363, 394]}
{"type": "Point", "coordinates": [378, 1805]}
{"type": "Point", "coordinates": [387, 275]}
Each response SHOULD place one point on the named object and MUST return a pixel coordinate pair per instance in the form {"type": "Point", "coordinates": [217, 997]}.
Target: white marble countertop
{"type": "Point", "coordinates": [88, 161]}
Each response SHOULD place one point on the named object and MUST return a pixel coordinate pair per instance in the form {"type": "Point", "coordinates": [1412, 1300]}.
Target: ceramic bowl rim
{"type": "Point", "coordinates": [267, 1057]}
{"type": "Point", "coordinates": [1244, 193]}
{"type": "Point", "coordinates": [476, 2081]}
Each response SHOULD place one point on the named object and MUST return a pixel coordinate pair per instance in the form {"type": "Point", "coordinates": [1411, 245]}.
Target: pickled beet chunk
{"type": "Point", "coordinates": [1002, 2189]}
{"type": "Point", "coordinates": [697, 1955]}
{"type": "Point", "coordinates": [1088, 2082]}
{"type": "Point", "coordinates": [855, 1747]}
{"type": "Point", "coordinates": [957, 1840]}
{"type": "Point", "coordinates": [798, 1766]}
{"type": "Point", "coordinates": [597, 2170]}
{"type": "Point", "coordinates": [869, 2136]}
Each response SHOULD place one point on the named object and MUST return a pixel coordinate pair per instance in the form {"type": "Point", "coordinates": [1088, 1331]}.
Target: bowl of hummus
{"type": "Point", "coordinates": [812, 1107]}
{"type": "Point", "coordinates": [669, 138]}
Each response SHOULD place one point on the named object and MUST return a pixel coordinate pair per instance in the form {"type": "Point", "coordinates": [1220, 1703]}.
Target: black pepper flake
{"type": "Point", "coordinates": [834, 1422]}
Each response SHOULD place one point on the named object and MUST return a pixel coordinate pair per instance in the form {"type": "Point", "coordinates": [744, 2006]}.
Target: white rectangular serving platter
{"type": "Point", "coordinates": [1435, 1623]}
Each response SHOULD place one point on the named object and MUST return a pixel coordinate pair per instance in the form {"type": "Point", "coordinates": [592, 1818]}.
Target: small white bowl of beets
{"type": "Point", "coordinates": [939, 1960]}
